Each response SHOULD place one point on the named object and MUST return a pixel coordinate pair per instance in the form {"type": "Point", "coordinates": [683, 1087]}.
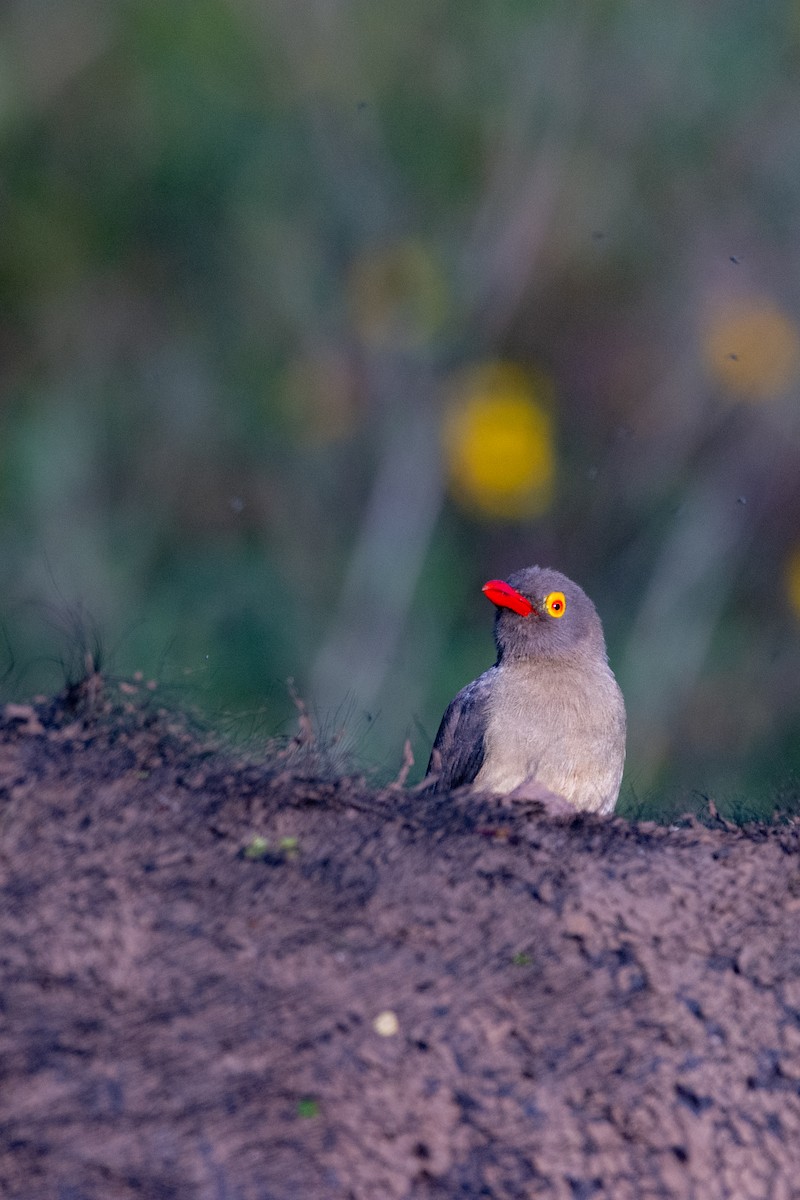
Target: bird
{"type": "Point", "coordinates": [549, 711]}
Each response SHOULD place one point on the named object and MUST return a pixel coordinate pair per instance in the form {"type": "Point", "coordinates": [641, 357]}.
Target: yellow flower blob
{"type": "Point", "coordinates": [498, 441]}
{"type": "Point", "coordinates": [752, 348]}
{"type": "Point", "coordinates": [398, 295]}
{"type": "Point", "coordinates": [792, 577]}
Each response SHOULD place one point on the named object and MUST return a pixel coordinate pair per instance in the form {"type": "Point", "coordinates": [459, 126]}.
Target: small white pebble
{"type": "Point", "coordinates": [386, 1024]}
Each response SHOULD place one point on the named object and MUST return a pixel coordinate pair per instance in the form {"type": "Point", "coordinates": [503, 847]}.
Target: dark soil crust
{"type": "Point", "coordinates": [393, 997]}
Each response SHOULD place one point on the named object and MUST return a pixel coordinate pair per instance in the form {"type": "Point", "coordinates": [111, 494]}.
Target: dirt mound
{"type": "Point", "coordinates": [224, 981]}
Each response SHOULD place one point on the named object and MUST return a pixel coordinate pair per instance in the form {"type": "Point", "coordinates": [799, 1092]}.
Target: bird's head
{"type": "Point", "coordinates": [542, 614]}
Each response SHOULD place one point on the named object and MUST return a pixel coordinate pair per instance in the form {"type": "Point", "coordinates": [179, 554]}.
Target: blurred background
{"type": "Point", "coordinates": [316, 314]}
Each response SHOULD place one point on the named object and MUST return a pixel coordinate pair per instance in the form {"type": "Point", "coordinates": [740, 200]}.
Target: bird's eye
{"type": "Point", "coordinates": [556, 604]}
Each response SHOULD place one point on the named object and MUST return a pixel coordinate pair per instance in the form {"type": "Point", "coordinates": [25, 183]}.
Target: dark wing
{"type": "Point", "coordinates": [458, 747]}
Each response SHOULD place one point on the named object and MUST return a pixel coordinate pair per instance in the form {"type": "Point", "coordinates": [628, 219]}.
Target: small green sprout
{"type": "Point", "coordinates": [307, 1107]}
{"type": "Point", "coordinates": [258, 848]}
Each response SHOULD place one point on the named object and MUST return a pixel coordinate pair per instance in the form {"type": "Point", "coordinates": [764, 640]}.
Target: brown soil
{"type": "Point", "coordinates": [393, 997]}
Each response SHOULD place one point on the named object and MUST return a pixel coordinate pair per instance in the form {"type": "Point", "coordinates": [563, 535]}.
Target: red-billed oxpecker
{"type": "Point", "coordinates": [549, 712]}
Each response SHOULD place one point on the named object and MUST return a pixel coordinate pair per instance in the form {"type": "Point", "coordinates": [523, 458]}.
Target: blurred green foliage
{"type": "Point", "coordinates": [248, 250]}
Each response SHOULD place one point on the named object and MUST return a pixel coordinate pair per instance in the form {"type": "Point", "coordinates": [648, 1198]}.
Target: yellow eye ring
{"type": "Point", "coordinates": [556, 604]}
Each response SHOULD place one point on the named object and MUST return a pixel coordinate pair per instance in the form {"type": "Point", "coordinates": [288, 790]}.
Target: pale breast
{"type": "Point", "coordinates": [563, 725]}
